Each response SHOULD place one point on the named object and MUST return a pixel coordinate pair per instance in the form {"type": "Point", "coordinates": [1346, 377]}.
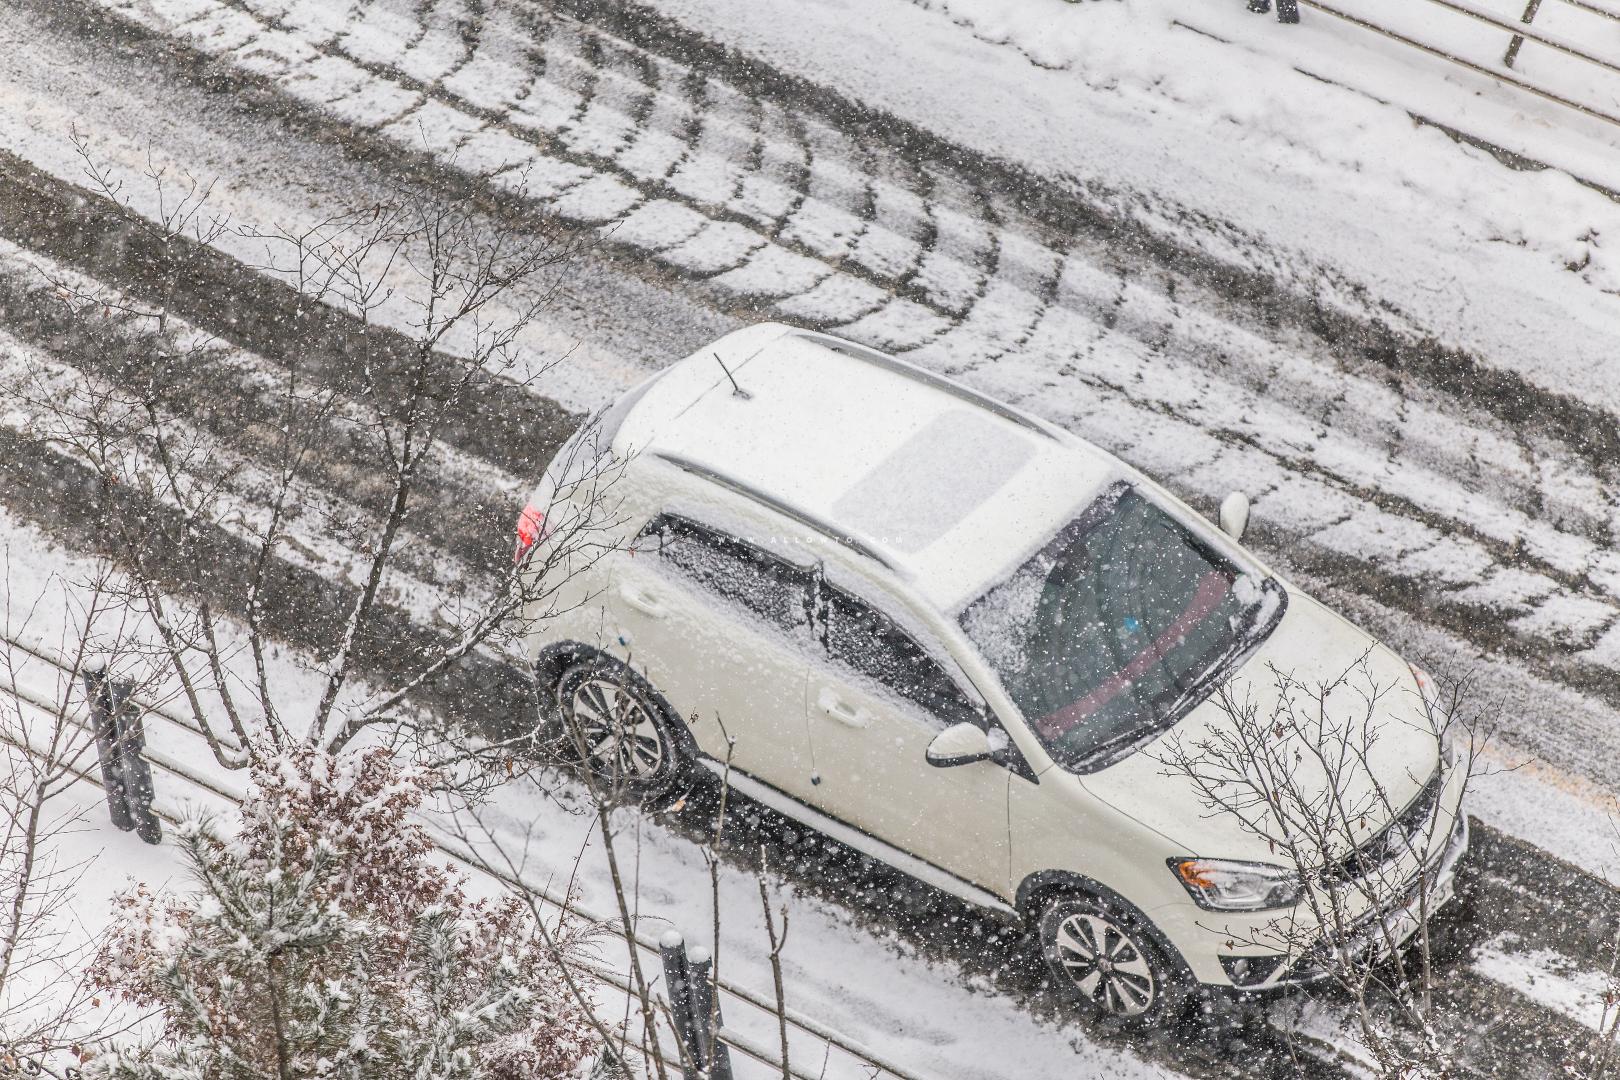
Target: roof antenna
{"type": "Point", "coordinates": [736, 390]}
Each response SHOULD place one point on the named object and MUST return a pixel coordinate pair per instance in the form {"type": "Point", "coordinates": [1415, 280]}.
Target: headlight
{"type": "Point", "coordinates": [1223, 885]}
{"type": "Point", "coordinates": [1452, 744]}
{"type": "Point", "coordinates": [1430, 691]}
{"type": "Point", "coordinates": [1455, 746]}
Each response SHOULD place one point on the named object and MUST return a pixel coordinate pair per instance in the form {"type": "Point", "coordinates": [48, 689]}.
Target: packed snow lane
{"type": "Point", "coordinates": [1312, 155]}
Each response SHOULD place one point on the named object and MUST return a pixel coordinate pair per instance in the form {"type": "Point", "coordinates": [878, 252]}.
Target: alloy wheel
{"type": "Point", "coordinates": [620, 735]}
{"type": "Point", "coordinates": [1106, 964]}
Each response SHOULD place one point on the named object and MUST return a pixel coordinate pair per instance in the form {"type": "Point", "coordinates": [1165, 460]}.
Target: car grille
{"type": "Point", "coordinates": [1363, 938]}
{"type": "Point", "coordinates": [1407, 833]}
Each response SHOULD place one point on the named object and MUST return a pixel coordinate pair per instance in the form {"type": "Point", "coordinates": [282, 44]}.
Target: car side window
{"type": "Point", "coordinates": [871, 644]}
{"type": "Point", "coordinates": [733, 570]}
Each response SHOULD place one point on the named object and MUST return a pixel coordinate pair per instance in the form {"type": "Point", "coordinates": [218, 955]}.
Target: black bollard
{"type": "Point", "coordinates": [125, 774]}
{"type": "Point", "coordinates": [706, 1011]}
{"type": "Point", "coordinates": [98, 690]}
{"type": "Point", "coordinates": [1287, 10]}
{"type": "Point", "coordinates": [678, 984]}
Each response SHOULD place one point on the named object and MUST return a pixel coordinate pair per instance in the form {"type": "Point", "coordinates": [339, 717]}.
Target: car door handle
{"type": "Point", "coordinates": [643, 602]}
{"type": "Point", "coordinates": [833, 706]}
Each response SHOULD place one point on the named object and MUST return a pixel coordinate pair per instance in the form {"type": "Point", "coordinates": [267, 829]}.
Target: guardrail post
{"type": "Point", "coordinates": [1518, 39]}
{"type": "Point", "coordinates": [99, 693]}
{"type": "Point", "coordinates": [678, 984]}
{"type": "Point", "coordinates": [706, 1011]}
{"type": "Point", "coordinates": [1287, 10]}
{"type": "Point", "coordinates": [125, 774]}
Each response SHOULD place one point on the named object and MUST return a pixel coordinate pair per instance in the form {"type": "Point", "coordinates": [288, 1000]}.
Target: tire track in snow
{"type": "Point", "coordinates": [1179, 392]}
{"type": "Point", "coordinates": [464, 502]}
{"type": "Point", "coordinates": [505, 424]}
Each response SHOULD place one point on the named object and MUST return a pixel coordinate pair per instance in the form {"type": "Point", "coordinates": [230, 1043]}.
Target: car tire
{"type": "Point", "coordinates": [626, 734]}
{"type": "Point", "coordinates": [1107, 960]}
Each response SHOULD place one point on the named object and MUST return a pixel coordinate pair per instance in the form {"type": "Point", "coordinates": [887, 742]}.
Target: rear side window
{"type": "Point", "coordinates": [733, 570]}
{"type": "Point", "coordinates": [871, 644]}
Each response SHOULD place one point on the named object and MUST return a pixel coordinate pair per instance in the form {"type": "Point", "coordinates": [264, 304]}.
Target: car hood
{"type": "Point", "coordinates": [1313, 646]}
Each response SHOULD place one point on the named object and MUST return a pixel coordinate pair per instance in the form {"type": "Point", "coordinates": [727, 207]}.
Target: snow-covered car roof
{"type": "Point", "coordinates": [950, 489]}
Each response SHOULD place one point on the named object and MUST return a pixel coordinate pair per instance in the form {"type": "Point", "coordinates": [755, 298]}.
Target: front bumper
{"type": "Point", "coordinates": [1377, 935]}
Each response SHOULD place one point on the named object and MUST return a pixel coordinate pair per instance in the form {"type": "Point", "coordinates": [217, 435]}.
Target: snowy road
{"type": "Point", "coordinates": [1442, 486]}
{"type": "Point", "coordinates": [1419, 495]}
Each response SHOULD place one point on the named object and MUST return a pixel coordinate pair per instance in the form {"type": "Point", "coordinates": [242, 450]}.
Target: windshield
{"type": "Point", "coordinates": [1118, 627]}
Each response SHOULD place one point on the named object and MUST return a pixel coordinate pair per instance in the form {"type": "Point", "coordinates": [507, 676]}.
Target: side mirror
{"type": "Point", "coordinates": [1235, 515]}
{"type": "Point", "coordinates": [959, 744]}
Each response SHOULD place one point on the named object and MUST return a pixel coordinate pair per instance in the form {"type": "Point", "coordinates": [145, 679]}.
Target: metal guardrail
{"type": "Point", "coordinates": [868, 1058]}
{"type": "Point", "coordinates": [1532, 8]}
{"type": "Point", "coordinates": [1516, 34]}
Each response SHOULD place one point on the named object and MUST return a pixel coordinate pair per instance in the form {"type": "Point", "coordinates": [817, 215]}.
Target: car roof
{"type": "Point", "coordinates": [949, 489]}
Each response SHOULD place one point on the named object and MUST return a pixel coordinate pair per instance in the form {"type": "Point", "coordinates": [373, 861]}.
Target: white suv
{"type": "Point", "coordinates": [946, 634]}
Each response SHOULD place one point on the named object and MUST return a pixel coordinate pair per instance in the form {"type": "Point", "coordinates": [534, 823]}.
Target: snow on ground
{"type": "Point", "coordinates": [1550, 980]}
{"type": "Point", "coordinates": [104, 860]}
{"type": "Point", "coordinates": [1229, 147]}
{"type": "Point", "coordinates": [1563, 815]}
{"type": "Point", "coordinates": [1325, 196]}
{"type": "Point", "coordinates": [1120, 41]}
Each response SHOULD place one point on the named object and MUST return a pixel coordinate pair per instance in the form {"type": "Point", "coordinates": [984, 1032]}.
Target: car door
{"type": "Point", "coordinates": [876, 700]}
{"type": "Point", "coordinates": [720, 627]}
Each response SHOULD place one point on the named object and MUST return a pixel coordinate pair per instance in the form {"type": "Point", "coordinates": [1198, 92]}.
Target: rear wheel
{"type": "Point", "coordinates": [1104, 957]}
{"type": "Point", "coordinates": [618, 727]}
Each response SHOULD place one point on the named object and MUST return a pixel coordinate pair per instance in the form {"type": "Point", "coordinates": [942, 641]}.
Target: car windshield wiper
{"type": "Point", "coordinates": [1119, 746]}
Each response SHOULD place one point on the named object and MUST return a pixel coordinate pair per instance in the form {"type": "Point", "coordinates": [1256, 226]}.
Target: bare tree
{"type": "Point", "coordinates": [1324, 773]}
{"type": "Point", "coordinates": [613, 787]}
{"type": "Point", "coordinates": [433, 305]}
{"type": "Point", "coordinates": [626, 1015]}
{"type": "Point", "coordinates": [778, 942]}
{"type": "Point", "coordinates": [1599, 1060]}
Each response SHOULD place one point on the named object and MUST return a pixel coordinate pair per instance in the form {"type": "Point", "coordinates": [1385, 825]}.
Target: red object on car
{"type": "Point", "coordinates": [531, 527]}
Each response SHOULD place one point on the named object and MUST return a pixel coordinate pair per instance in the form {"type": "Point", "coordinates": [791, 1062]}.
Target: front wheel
{"type": "Point", "coordinates": [1103, 957]}
{"type": "Point", "coordinates": [618, 727]}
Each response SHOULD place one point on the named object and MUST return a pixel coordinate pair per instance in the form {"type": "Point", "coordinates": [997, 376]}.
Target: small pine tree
{"type": "Point", "coordinates": [322, 941]}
